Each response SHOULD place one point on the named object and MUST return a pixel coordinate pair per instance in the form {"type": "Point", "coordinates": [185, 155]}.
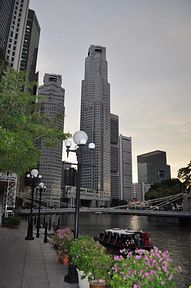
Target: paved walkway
{"type": "Point", "coordinates": [29, 264]}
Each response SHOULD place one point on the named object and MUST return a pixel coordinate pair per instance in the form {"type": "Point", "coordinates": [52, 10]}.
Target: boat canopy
{"type": "Point", "coordinates": [120, 231]}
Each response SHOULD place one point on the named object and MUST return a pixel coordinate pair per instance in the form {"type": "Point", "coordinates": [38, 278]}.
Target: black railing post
{"type": "Point", "coordinates": [44, 220]}
{"type": "Point", "coordinates": [58, 223]}
{"type": "Point", "coordinates": [45, 234]}
{"type": "Point", "coordinates": [50, 223]}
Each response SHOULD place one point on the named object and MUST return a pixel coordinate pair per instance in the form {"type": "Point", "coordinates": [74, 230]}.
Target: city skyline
{"type": "Point", "coordinates": [148, 50]}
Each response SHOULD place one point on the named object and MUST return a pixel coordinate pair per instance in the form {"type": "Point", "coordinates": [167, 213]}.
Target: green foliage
{"type": "Point", "coordinates": [117, 202]}
{"type": "Point", "coordinates": [91, 258]}
{"type": "Point", "coordinates": [184, 174]}
{"type": "Point", "coordinates": [165, 188]}
{"type": "Point", "coordinates": [12, 221]}
{"type": "Point", "coordinates": [3, 62]}
{"type": "Point", "coordinates": [22, 126]}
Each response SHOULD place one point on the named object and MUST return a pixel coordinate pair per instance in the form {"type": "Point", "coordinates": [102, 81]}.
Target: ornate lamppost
{"type": "Point", "coordinates": [80, 138]}
{"type": "Point", "coordinates": [33, 178]}
{"type": "Point", "coordinates": [41, 188]}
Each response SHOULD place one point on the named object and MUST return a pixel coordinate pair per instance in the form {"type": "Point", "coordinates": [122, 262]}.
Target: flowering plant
{"type": "Point", "coordinates": [62, 239]}
{"type": "Point", "coordinates": [143, 269]}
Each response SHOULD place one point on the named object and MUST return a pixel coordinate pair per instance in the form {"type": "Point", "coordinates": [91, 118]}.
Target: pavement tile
{"type": "Point", "coordinates": [29, 263]}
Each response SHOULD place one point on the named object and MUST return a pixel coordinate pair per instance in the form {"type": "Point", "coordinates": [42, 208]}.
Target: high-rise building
{"type": "Point", "coordinates": [19, 37]}
{"type": "Point", "coordinates": [68, 174]}
{"type": "Point", "coordinates": [95, 121]}
{"type": "Point", "coordinates": [50, 166]}
{"type": "Point", "coordinates": [114, 136]}
{"type": "Point", "coordinates": [152, 167]}
{"type": "Point", "coordinates": [12, 29]}
{"type": "Point", "coordinates": [139, 191]}
{"type": "Point", "coordinates": [125, 160]}
{"type": "Point", "coordinates": [6, 12]}
{"type": "Point", "coordinates": [30, 49]}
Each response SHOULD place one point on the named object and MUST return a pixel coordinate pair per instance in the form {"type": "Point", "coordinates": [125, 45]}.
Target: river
{"type": "Point", "coordinates": [175, 238]}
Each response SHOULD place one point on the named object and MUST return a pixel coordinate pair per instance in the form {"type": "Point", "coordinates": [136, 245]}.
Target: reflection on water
{"type": "Point", "coordinates": [173, 237]}
{"type": "Point", "coordinates": [134, 223]}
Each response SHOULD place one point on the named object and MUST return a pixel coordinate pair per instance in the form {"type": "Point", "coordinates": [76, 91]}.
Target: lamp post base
{"type": "Point", "coordinates": [29, 238]}
{"type": "Point", "coordinates": [30, 230]}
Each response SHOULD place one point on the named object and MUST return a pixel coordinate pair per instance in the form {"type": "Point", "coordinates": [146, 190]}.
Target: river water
{"type": "Point", "coordinates": [174, 237]}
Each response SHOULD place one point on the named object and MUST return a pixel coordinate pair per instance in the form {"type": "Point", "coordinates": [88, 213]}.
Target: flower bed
{"type": "Point", "coordinates": [143, 269]}
{"type": "Point", "coordinates": [62, 240]}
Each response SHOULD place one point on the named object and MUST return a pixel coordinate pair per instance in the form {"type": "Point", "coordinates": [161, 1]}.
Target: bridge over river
{"type": "Point", "coordinates": [152, 209]}
{"type": "Point", "coordinates": [138, 212]}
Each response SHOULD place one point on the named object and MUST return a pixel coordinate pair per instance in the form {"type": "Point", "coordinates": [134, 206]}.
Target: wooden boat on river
{"type": "Point", "coordinates": [117, 239]}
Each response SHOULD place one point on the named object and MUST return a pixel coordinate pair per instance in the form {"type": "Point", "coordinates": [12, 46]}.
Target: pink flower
{"type": "Point", "coordinates": [117, 257]}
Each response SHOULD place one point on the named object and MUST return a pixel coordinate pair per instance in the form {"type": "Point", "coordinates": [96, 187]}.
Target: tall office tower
{"type": "Point", "coordinates": [152, 167]}
{"type": "Point", "coordinates": [14, 13]}
{"type": "Point", "coordinates": [50, 166]}
{"type": "Point", "coordinates": [30, 49]}
{"type": "Point", "coordinates": [125, 160]}
{"type": "Point", "coordinates": [6, 12]}
{"type": "Point", "coordinates": [95, 121]}
{"type": "Point", "coordinates": [114, 136]}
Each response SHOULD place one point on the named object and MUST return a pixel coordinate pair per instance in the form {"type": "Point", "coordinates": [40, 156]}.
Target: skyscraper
{"type": "Point", "coordinates": [6, 12]}
{"type": "Point", "coordinates": [152, 167]}
{"type": "Point", "coordinates": [50, 166]}
{"type": "Point", "coordinates": [125, 160]}
{"type": "Point", "coordinates": [30, 48]}
{"type": "Point", "coordinates": [114, 125]}
{"type": "Point", "coordinates": [13, 23]}
{"type": "Point", "coordinates": [95, 121]}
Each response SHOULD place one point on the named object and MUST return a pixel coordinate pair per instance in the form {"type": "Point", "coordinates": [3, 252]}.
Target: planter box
{"type": "Point", "coordinates": [11, 226]}
{"type": "Point", "coordinates": [83, 283]}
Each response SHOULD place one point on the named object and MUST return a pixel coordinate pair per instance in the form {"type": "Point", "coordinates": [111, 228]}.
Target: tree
{"type": "Point", "coordinates": [22, 126]}
{"type": "Point", "coordinates": [184, 175]}
{"type": "Point", "coordinates": [3, 62]}
{"type": "Point", "coordinates": [163, 189]}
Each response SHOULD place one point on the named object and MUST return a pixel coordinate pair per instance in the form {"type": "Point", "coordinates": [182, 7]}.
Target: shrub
{"type": "Point", "coordinates": [91, 258]}
{"type": "Point", "coordinates": [12, 221]}
{"type": "Point", "coordinates": [62, 239]}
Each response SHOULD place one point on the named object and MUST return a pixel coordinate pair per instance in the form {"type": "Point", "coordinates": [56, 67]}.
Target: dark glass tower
{"type": "Point", "coordinates": [6, 12]}
{"type": "Point", "coordinates": [152, 167]}
{"type": "Point", "coordinates": [30, 49]}
{"type": "Point", "coordinates": [114, 125]}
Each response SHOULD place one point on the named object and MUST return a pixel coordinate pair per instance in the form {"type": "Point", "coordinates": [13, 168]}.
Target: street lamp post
{"type": "Point", "coordinates": [41, 187]}
{"type": "Point", "coordinates": [33, 177]}
{"type": "Point", "coordinates": [80, 138]}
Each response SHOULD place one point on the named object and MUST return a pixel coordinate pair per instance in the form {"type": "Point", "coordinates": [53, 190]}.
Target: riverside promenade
{"type": "Point", "coordinates": [29, 263]}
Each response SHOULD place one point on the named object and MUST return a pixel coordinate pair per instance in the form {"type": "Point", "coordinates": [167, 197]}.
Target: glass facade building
{"type": "Point", "coordinates": [95, 121]}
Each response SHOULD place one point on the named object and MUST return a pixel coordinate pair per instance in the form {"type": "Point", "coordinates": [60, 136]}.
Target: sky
{"type": "Point", "coordinates": [148, 49]}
